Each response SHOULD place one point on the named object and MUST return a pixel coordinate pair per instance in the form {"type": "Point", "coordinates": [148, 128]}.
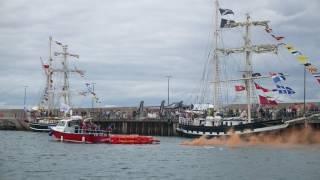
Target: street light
{"type": "Point", "coordinates": [304, 89]}
{"type": "Point", "coordinates": [24, 101]}
{"type": "Point", "coordinates": [168, 88]}
{"type": "Point", "coordinates": [25, 97]}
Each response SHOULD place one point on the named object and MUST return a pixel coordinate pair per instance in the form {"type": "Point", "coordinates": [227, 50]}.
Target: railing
{"type": "Point", "coordinates": [92, 131]}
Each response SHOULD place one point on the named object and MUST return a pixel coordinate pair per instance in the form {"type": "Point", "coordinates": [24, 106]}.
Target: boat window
{"type": "Point", "coordinates": [61, 123]}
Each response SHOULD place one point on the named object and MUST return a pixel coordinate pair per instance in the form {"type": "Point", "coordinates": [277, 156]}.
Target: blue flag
{"type": "Point", "coordinates": [284, 90]}
{"type": "Point", "coordinates": [278, 77]}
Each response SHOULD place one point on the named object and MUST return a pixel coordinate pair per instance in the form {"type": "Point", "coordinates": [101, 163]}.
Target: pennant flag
{"type": "Point", "coordinates": [239, 88]}
{"type": "Point", "coordinates": [278, 38]}
{"type": "Point", "coordinates": [277, 77]}
{"type": "Point", "coordinates": [296, 53]}
{"type": "Point", "coordinates": [317, 76]}
{"type": "Point", "coordinates": [261, 88]}
{"type": "Point", "coordinates": [302, 59]}
{"type": "Point", "coordinates": [311, 69]}
{"type": "Point", "coordinates": [226, 23]}
{"type": "Point", "coordinates": [225, 11]}
{"type": "Point", "coordinates": [256, 74]}
{"type": "Point", "coordinates": [268, 30]}
{"type": "Point", "coordinates": [265, 101]}
{"type": "Point", "coordinates": [59, 43]}
{"type": "Point", "coordinates": [284, 90]}
{"type": "Point", "coordinates": [289, 47]}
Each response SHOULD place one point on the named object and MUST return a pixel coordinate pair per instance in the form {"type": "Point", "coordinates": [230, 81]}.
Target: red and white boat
{"type": "Point", "coordinates": [74, 129]}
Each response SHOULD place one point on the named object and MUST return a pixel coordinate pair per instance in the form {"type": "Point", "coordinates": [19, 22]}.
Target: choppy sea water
{"type": "Point", "coordinates": [29, 155]}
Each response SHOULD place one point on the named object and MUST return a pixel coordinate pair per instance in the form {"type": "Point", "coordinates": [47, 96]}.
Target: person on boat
{"type": "Point", "coordinates": [243, 114]}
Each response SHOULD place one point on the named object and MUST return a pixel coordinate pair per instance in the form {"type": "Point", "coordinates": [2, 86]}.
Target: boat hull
{"type": "Point", "coordinates": [93, 137]}
{"type": "Point", "coordinates": [41, 127]}
{"type": "Point", "coordinates": [243, 129]}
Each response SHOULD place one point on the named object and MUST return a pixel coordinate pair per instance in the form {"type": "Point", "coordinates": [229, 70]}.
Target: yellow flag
{"type": "Point", "coordinates": [289, 47]}
{"type": "Point", "coordinates": [302, 59]}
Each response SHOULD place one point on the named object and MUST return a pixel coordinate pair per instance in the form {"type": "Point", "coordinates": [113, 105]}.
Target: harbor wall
{"type": "Point", "coordinates": [124, 120]}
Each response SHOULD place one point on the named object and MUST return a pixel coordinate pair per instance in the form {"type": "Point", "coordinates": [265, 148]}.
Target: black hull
{"type": "Point", "coordinates": [224, 130]}
{"type": "Point", "coordinates": [41, 127]}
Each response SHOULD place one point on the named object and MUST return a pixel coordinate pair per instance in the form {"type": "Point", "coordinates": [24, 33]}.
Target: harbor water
{"type": "Point", "coordinates": [29, 155]}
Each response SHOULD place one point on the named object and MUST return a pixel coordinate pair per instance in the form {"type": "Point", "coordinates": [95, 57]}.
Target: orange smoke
{"type": "Point", "coordinates": [294, 136]}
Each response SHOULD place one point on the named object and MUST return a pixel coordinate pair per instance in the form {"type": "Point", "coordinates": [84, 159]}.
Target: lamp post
{"type": "Point", "coordinates": [304, 88]}
{"type": "Point", "coordinates": [25, 100]}
{"type": "Point", "coordinates": [25, 97]}
{"type": "Point", "coordinates": [168, 88]}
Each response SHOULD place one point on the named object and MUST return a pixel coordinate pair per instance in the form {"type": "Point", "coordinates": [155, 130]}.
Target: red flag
{"type": "Point", "coordinates": [265, 101]}
{"type": "Point", "coordinates": [261, 88]}
{"type": "Point", "coordinates": [278, 38]}
{"type": "Point", "coordinates": [239, 88]}
{"type": "Point", "coordinates": [46, 66]}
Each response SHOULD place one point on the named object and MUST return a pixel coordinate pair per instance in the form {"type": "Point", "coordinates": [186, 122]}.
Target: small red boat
{"type": "Point", "coordinates": [77, 130]}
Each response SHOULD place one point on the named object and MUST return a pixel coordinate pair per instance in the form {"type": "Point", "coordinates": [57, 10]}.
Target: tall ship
{"type": "Point", "coordinates": [55, 102]}
{"type": "Point", "coordinates": [252, 117]}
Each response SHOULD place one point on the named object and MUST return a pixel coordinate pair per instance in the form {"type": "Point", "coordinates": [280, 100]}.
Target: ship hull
{"type": "Point", "coordinates": [243, 129]}
{"type": "Point", "coordinates": [41, 127]}
{"type": "Point", "coordinates": [94, 137]}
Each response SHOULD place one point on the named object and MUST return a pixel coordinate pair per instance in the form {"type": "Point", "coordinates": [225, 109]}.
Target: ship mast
{"type": "Point", "coordinates": [66, 73]}
{"type": "Point", "coordinates": [216, 74]}
{"type": "Point", "coordinates": [248, 49]}
{"type": "Point", "coordinates": [49, 79]}
{"type": "Point", "coordinates": [248, 71]}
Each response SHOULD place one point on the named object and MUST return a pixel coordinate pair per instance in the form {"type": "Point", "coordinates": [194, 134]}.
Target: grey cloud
{"type": "Point", "coordinates": [127, 47]}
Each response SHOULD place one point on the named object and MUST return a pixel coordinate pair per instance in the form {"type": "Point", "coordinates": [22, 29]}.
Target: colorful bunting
{"type": "Point", "coordinates": [278, 38]}
{"type": "Point", "coordinates": [311, 69]}
{"type": "Point", "coordinates": [256, 74]}
{"type": "Point", "coordinates": [265, 101]}
{"type": "Point", "coordinates": [58, 43]}
{"type": "Point", "coordinates": [302, 59]}
{"type": "Point", "coordinates": [268, 30]}
{"type": "Point", "coordinates": [289, 47]}
{"type": "Point", "coordinates": [296, 53]}
{"type": "Point", "coordinates": [261, 88]}
{"type": "Point", "coordinates": [239, 88]}
{"type": "Point", "coordinates": [317, 76]}
{"type": "Point", "coordinates": [277, 77]}
{"type": "Point", "coordinates": [284, 90]}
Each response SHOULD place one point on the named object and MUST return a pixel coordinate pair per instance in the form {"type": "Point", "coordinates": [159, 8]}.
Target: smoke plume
{"type": "Point", "coordinates": [292, 136]}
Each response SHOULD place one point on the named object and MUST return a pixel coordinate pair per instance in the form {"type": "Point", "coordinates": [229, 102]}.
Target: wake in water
{"type": "Point", "coordinates": [295, 136]}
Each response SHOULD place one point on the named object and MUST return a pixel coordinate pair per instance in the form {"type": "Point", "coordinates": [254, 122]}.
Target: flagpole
{"type": "Point", "coordinates": [169, 76]}
{"type": "Point", "coordinates": [304, 88]}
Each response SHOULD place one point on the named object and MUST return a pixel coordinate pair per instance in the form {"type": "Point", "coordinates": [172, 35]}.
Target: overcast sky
{"type": "Point", "coordinates": [128, 47]}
